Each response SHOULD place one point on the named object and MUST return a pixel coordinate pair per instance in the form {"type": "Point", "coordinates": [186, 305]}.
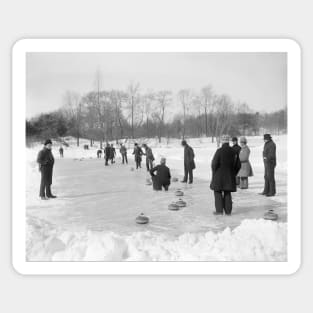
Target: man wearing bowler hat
{"type": "Point", "coordinates": [269, 159]}
{"type": "Point", "coordinates": [45, 160]}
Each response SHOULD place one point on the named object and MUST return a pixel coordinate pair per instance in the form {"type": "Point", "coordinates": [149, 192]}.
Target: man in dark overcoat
{"type": "Point", "coordinates": [225, 166]}
{"type": "Point", "coordinates": [45, 160]}
{"type": "Point", "coordinates": [189, 162]}
{"type": "Point", "coordinates": [269, 159]}
{"type": "Point", "coordinates": [237, 149]}
{"type": "Point", "coordinates": [112, 154]}
{"type": "Point", "coordinates": [149, 157]}
{"type": "Point", "coordinates": [107, 153]}
{"type": "Point", "coordinates": [162, 178]}
{"type": "Point", "coordinates": [138, 155]}
{"type": "Point", "coordinates": [61, 151]}
{"type": "Point", "coordinates": [123, 152]}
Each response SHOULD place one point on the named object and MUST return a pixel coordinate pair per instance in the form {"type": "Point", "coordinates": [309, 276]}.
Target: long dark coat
{"type": "Point", "coordinates": [45, 160]}
{"type": "Point", "coordinates": [225, 166]}
{"type": "Point", "coordinates": [189, 157]}
{"type": "Point", "coordinates": [138, 153]}
{"type": "Point", "coordinates": [149, 154]}
{"type": "Point", "coordinates": [236, 148]}
{"type": "Point", "coordinates": [107, 151]}
{"type": "Point", "coordinates": [269, 153]}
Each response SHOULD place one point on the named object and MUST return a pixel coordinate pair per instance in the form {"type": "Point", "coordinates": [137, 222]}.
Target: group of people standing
{"type": "Point", "coordinates": [230, 166]}
{"type": "Point", "coordinates": [109, 154]}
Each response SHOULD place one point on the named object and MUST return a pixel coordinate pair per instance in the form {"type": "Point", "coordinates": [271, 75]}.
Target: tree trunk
{"type": "Point", "coordinates": [206, 123]}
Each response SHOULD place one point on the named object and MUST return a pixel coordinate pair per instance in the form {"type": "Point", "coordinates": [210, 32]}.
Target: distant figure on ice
{"type": "Point", "coordinates": [107, 153]}
{"type": "Point", "coordinates": [138, 153]}
{"type": "Point", "coordinates": [237, 149]}
{"type": "Point", "coordinates": [149, 157]}
{"type": "Point", "coordinates": [45, 160]}
{"type": "Point", "coordinates": [99, 153]}
{"type": "Point", "coordinates": [112, 154]}
{"type": "Point", "coordinates": [123, 152]}
{"type": "Point", "coordinates": [225, 166]}
{"type": "Point", "coordinates": [246, 168]}
{"type": "Point", "coordinates": [61, 151]}
{"type": "Point", "coordinates": [269, 159]}
{"type": "Point", "coordinates": [162, 178]}
{"type": "Point", "coordinates": [189, 163]}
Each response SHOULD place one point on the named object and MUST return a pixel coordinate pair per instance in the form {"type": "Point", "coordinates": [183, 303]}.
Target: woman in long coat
{"type": "Point", "coordinates": [246, 168]}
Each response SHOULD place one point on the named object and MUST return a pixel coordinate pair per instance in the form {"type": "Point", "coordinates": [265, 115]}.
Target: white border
{"type": "Point", "coordinates": [156, 45]}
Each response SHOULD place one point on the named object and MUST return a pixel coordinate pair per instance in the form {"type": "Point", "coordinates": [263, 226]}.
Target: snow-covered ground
{"type": "Point", "coordinates": [93, 217]}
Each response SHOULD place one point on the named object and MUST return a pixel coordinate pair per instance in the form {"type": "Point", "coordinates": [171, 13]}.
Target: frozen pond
{"type": "Point", "coordinates": [95, 197]}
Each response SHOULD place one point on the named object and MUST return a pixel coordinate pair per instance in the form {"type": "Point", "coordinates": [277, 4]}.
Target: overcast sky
{"type": "Point", "coordinates": [259, 79]}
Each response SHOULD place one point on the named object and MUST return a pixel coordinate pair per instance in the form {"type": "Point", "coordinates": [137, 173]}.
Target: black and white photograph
{"type": "Point", "coordinates": [172, 156]}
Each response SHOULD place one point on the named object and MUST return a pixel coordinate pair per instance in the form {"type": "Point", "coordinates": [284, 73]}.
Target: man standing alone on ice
{"type": "Point", "coordinates": [123, 152]}
{"type": "Point", "coordinates": [269, 159]}
{"type": "Point", "coordinates": [225, 166]}
{"type": "Point", "coordinates": [61, 152]}
{"type": "Point", "coordinates": [189, 163]}
{"type": "Point", "coordinates": [149, 157]}
{"type": "Point", "coordinates": [138, 153]}
{"type": "Point", "coordinates": [107, 153]}
{"type": "Point", "coordinates": [112, 154]}
{"type": "Point", "coordinates": [45, 160]}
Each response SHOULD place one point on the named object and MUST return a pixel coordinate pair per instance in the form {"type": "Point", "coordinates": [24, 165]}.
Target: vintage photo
{"type": "Point", "coordinates": [156, 156]}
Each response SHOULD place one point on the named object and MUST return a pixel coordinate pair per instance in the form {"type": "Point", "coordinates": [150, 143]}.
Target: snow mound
{"type": "Point", "coordinates": [252, 240]}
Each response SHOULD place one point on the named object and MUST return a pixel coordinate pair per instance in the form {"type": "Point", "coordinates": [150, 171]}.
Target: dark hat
{"type": "Point", "coordinates": [136, 144]}
{"type": "Point", "coordinates": [48, 141]}
{"type": "Point", "coordinates": [184, 142]}
{"type": "Point", "coordinates": [234, 139]}
{"type": "Point", "coordinates": [267, 137]}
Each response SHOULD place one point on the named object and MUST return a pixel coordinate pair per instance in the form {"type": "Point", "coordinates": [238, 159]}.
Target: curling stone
{"type": "Point", "coordinates": [132, 169]}
{"type": "Point", "coordinates": [173, 206]}
{"type": "Point", "coordinates": [174, 179]}
{"type": "Point", "coordinates": [148, 182]}
{"type": "Point", "coordinates": [181, 203]}
{"type": "Point", "coordinates": [179, 193]}
{"type": "Point", "coordinates": [142, 219]}
{"type": "Point", "coordinates": [270, 215]}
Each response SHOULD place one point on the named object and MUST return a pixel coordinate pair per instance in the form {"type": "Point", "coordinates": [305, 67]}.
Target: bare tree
{"type": "Point", "coordinates": [133, 100]}
{"type": "Point", "coordinates": [147, 101]}
{"type": "Point", "coordinates": [197, 106]}
{"type": "Point", "coordinates": [184, 96]}
{"type": "Point", "coordinates": [162, 100]}
{"type": "Point", "coordinates": [224, 110]}
{"type": "Point", "coordinates": [73, 109]}
{"type": "Point", "coordinates": [207, 98]}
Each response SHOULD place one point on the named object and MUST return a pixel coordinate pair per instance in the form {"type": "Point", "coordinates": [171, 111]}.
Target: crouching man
{"type": "Point", "coordinates": [162, 178]}
{"type": "Point", "coordinates": [45, 160]}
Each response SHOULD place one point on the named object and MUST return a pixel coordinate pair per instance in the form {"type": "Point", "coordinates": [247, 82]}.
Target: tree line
{"type": "Point", "coordinates": [106, 115]}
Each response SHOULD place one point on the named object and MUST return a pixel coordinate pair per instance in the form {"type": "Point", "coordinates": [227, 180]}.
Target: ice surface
{"type": "Point", "coordinates": [93, 217]}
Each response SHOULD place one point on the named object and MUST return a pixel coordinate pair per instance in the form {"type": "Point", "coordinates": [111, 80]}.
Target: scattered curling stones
{"type": "Point", "coordinates": [270, 215]}
{"type": "Point", "coordinates": [181, 203]}
{"type": "Point", "coordinates": [142, 219]}
{"type": "Point", "coordinates": [148, 182]}
{"type": "Point", "coordinates": [179, 193]}
{"type": "Point", "coordinates": [174, 179]}
{"type": "Point", "coordinates": [173, 206]}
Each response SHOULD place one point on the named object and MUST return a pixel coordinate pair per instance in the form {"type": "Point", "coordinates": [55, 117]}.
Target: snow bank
{"type": "Point", "coordinates": [252, 240]}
